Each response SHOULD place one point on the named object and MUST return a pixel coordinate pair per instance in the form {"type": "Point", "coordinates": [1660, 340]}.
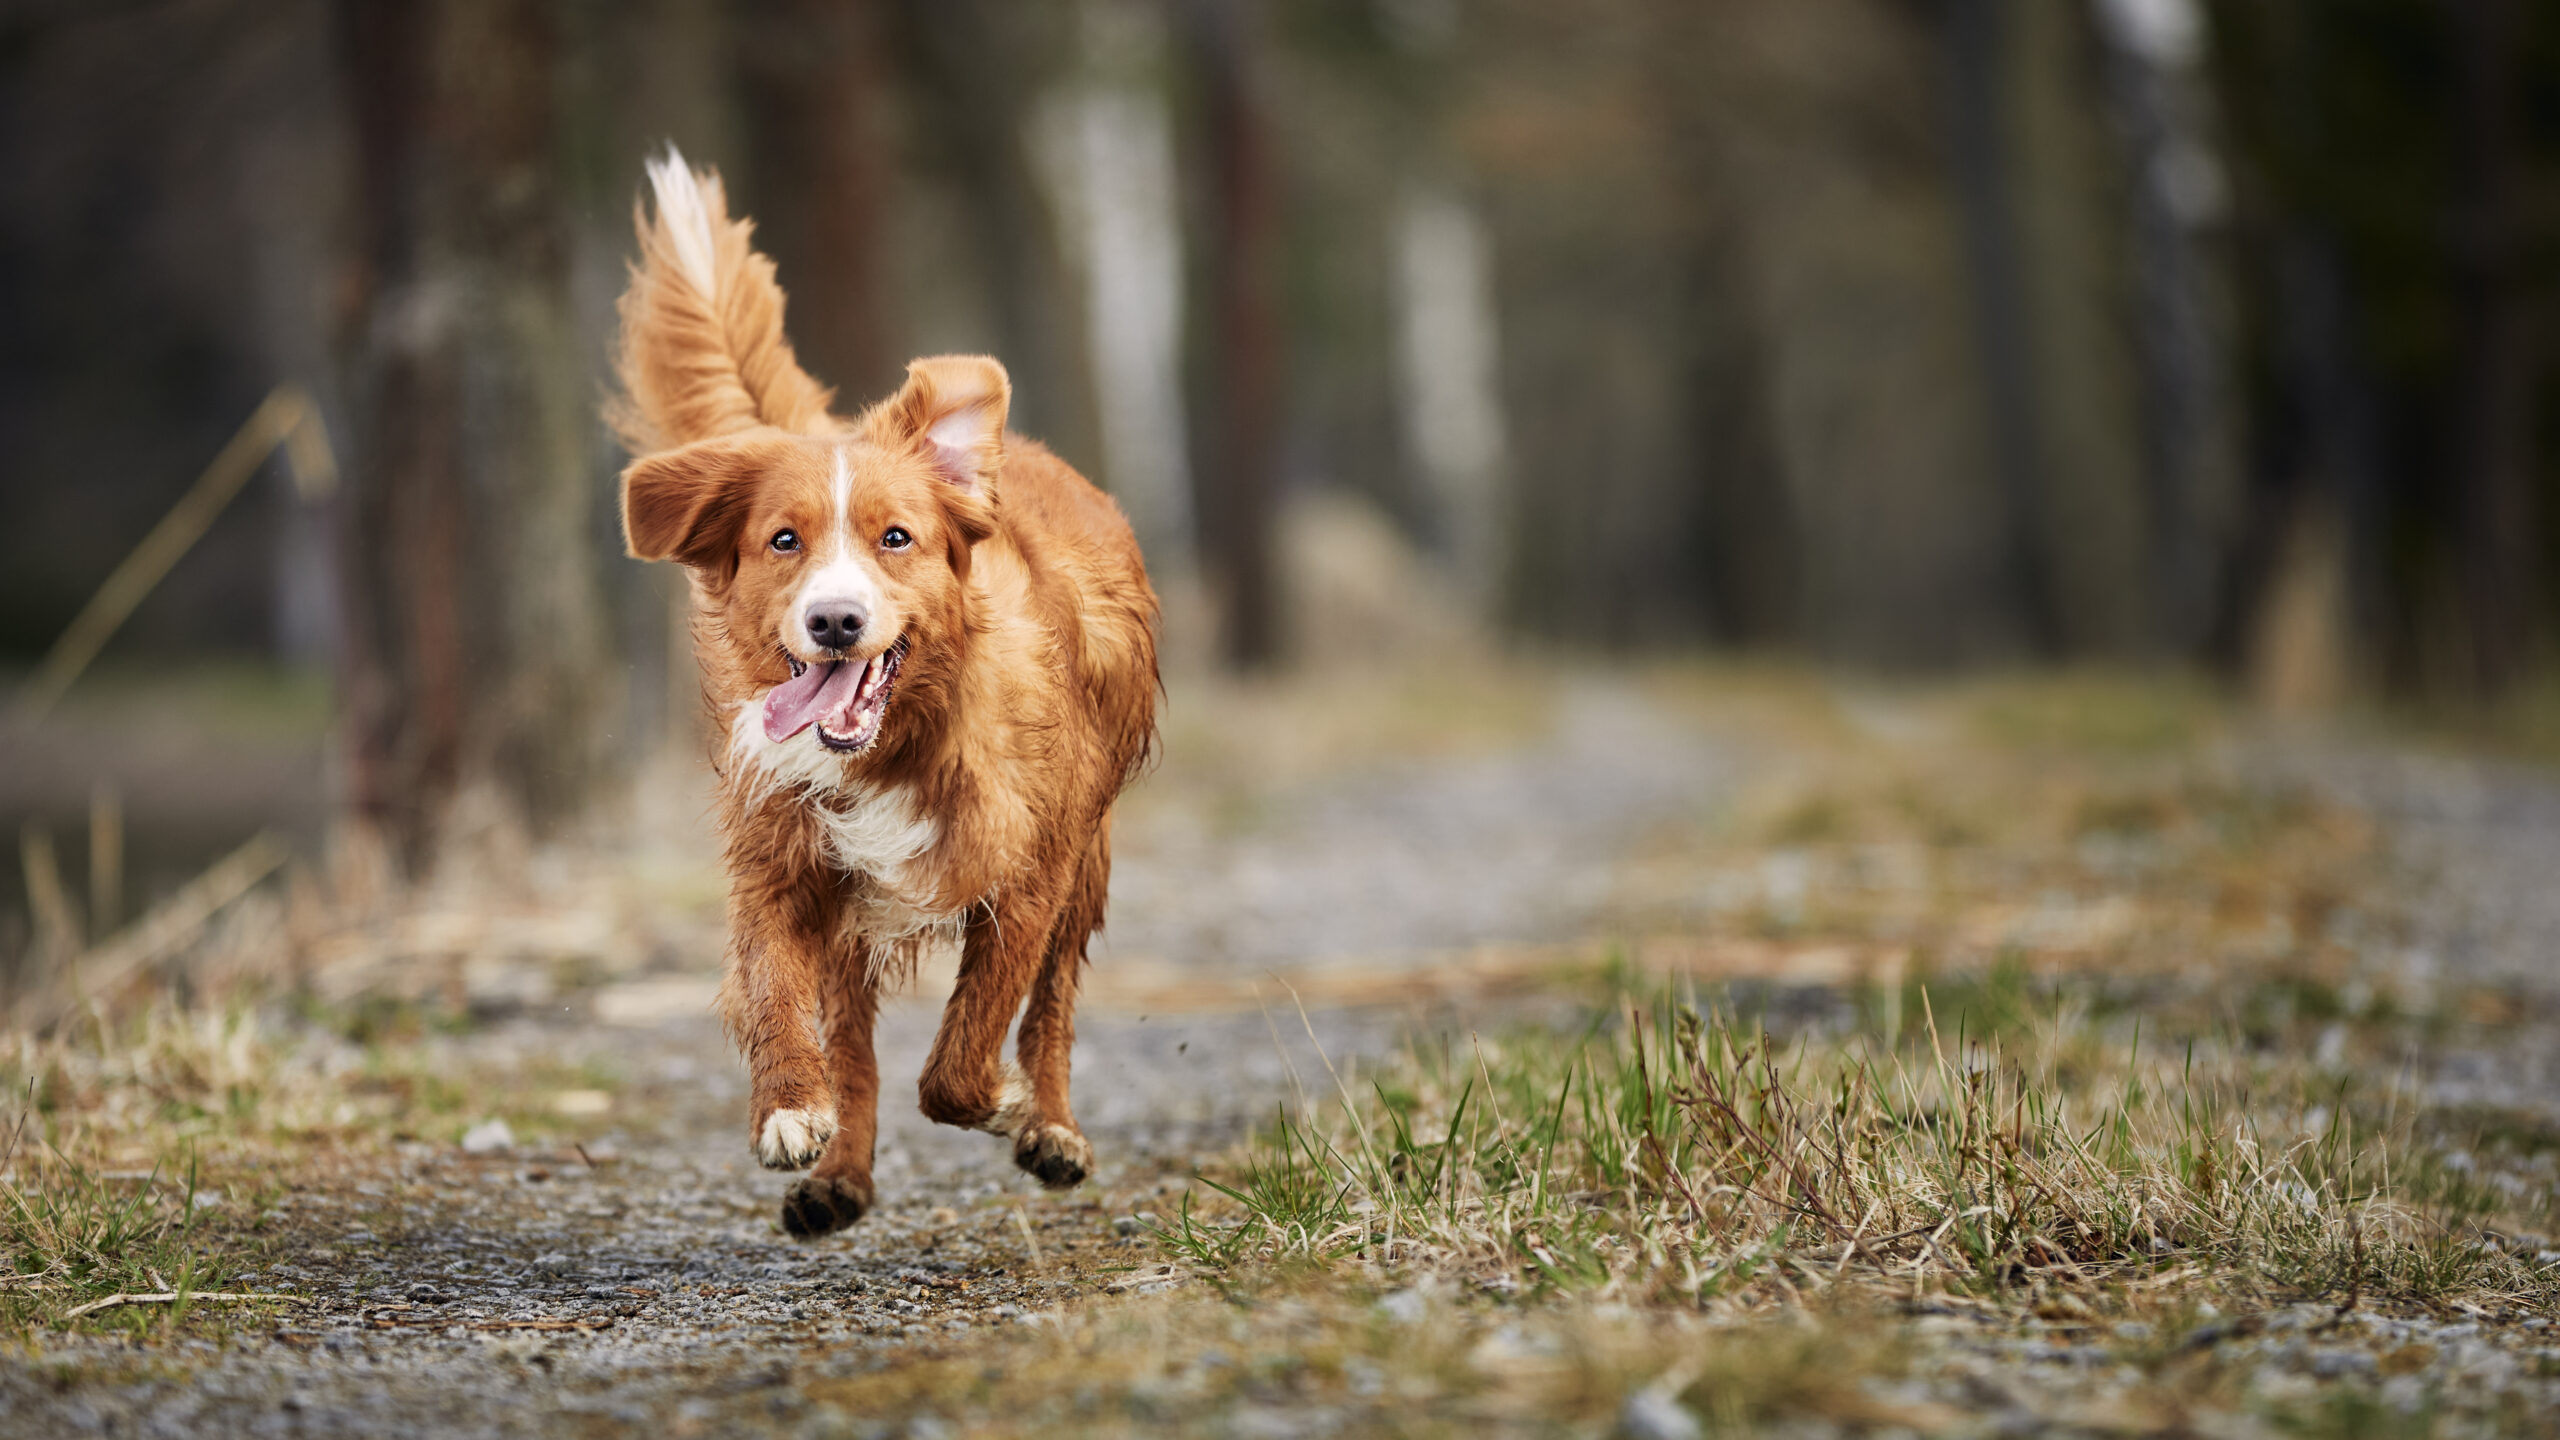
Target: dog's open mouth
{"type": "Point", "coordinates": [845, 701]}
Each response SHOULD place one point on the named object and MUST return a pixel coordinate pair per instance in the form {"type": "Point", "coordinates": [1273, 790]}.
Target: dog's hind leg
{"type": "Point", "coordinates": [967, 1081]}
{"type": "Point", "coordinates": [839, 1191]}
{"type": "Point", "coordinates": [1049, 1145]}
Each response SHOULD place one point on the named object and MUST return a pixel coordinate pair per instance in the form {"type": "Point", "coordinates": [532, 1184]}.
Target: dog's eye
{"type": "Point", "coordinates": [896, 539]}
{"type": "Point", "coordinates": [786, 541]}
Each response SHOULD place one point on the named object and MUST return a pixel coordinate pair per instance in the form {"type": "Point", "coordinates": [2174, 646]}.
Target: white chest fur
{"type": "Point", "coordinates": [877, 836]}
{"type": "Point", "coordinates": [881, 842]}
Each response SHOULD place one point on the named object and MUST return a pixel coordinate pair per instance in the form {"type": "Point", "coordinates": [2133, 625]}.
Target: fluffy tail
{"type": "Point", "coordinates": [703, 352]}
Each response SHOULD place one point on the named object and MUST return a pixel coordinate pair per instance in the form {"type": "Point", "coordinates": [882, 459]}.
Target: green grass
{"type": "Point", "coordinates": [1671, 1155]}
{"type": "Point", "coordinates": [237, 1081]}
{"type": "Point", "coordinates": [120, 1130]}
{"type": "Point", "coordinates": [70, 1235]}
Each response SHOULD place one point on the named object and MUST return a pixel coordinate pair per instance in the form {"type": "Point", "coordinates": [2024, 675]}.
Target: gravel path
{"type": "Point", "coordinates": [1402, 858]}
{"type": "Point", "coordinates": [2481, 842]}
{"type": "Point", "coordinates": [525, 1291]}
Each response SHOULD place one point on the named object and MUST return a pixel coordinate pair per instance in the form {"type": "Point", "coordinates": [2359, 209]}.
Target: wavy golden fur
{"type": "Point", "coordinates": [990, 677]}
{"type": "Point", "coordinates": [703, 352]}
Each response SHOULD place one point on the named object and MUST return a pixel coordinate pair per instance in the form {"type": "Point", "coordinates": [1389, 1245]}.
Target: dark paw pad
{"type": "Point", "coordinates": [1055, 1155]}
{"type": "Point", "coordinates": [821, 1204]}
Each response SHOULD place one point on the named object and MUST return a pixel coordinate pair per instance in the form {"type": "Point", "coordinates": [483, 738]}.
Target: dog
{"type": "Point", "coordinates": [929, 647]}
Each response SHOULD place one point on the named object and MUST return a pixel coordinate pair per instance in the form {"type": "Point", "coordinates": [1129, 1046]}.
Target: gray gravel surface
{"type": "Point", "coordinates": [537, 1292]}
{"type": "Point", "coordinates": [1398, 859]}
{"type": "Point", "coordinates": [646, 1283]}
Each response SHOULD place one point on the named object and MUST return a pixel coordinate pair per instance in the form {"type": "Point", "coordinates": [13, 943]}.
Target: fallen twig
{"type": "Point", "coordinates": [392, 1320]}
{"type": "Point", "coordinates": [163, 1297]}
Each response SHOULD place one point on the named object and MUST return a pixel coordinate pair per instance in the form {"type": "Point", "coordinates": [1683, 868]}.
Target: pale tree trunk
{"type": "Point", "coordinates": [2153, 59]}
{"type": "Point", "coordinates": [1448, 359]}
{"type": "Point", "coordinates": [474, 648]}
{"type": "Point", "coordinates": [1106, 150]}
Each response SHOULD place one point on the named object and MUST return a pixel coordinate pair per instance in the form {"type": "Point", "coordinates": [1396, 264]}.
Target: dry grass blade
{"type": "Point", "coordinates": [164, 931]}
{"type": "Point", "coordinates": [286, 417]}
{"type": "Point", "coordinates": [1983, 1169]}
{"type": "Point", "coordinates": [77, 1241]}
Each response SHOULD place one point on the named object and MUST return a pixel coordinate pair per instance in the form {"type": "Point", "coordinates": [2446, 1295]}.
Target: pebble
{"type": "Point", "coordinates": [1652, 1415]}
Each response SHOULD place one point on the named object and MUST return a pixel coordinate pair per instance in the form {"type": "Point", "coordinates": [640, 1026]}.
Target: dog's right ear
{"type": "Point", "coordinates": [686, 504]}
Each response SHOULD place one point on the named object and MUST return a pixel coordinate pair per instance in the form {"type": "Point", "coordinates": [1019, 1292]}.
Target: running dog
{"type": "Point", "coordinates": [929, 646]}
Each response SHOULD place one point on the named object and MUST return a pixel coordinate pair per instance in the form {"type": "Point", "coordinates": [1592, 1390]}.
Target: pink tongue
{"type": "Point", "coordinates": [793, 705]}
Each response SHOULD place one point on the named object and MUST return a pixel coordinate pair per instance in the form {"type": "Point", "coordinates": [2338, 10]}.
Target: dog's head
{"type": "Point", "coordinates": [836, 562]}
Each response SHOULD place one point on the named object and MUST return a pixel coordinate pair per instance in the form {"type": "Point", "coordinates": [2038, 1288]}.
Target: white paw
{"type": "Point", "coordinates": [1013, 1104]}
{"type": "Point", "coordinates": [792, 1138]}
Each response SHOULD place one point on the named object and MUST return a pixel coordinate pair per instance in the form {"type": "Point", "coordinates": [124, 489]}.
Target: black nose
{"type": "Point", "coordinates": [833, 624]}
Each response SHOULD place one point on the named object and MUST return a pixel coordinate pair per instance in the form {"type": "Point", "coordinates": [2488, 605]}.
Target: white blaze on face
{"type": "Point", "coordinates": [843, 570]}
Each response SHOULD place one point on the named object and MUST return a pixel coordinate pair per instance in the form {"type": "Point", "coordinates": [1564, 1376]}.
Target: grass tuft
{"type": "Point", "coordinates": [70, 1234]}
{"type": "Point", "coordinates": [1673, 1154]}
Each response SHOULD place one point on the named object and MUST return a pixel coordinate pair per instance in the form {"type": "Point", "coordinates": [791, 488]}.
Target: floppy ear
{"type": "Point", "coordinates": [686, 504]}
{"type": "Point", "coordinates": [953, 407]}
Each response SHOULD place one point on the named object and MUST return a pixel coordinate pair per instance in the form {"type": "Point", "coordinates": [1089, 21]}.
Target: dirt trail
{"type": "Point", "coordinates": [531, 1291]}
{"type": "Point", "coordinates": [541, 1292]}
{"type": "Point", "coordinates": [1405, 856]}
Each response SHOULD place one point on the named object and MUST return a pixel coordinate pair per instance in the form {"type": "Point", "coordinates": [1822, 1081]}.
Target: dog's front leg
{"type": "Point", "coordinates": [769, 998]}
{"type": "Point", "coordinates": [839, 1191]}
{"type": "Point", "coordinates": [967, 1081]}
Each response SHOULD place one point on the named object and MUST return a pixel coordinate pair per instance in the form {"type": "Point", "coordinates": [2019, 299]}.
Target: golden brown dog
{"type": "Point", "coordinates": [930, 650]}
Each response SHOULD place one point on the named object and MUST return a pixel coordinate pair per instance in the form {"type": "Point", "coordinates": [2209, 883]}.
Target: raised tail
{"type": "Point", "coordinates": [702, 351]}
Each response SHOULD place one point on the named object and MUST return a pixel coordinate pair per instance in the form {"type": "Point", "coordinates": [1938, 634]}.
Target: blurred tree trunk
{"type": "Point", "coordinates": [2070, 187]}
{"type": "Point", "coordinates": [975, 64]}
{"type": "Point", "coordinates": [401, 664]}
{"type": "Point", "coordinates": [2152, 85]}
{"type": "Point", "coordinates": [2493, 366]}
{"type": "Point", "coordinates": [1108, 151]}
{"type": "Point", "coordinates": [1236, 479]}
{"type": "Point", "coordinates": [474, 649]}
{"type": "Point", "coordinates": [818, 164]}
{"type": "Point", "coordinates": [1978, 50]}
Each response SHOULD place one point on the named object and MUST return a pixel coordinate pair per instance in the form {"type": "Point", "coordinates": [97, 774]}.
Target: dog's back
{"type": "Point", "coordinates": [1079, 536]}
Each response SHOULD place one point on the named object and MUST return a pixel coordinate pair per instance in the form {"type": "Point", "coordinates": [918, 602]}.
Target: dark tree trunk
{"type": "Point", "coordinates": [400, 637]}
{"type": "Point", "coordinates": [978, 64]}
{"type": "Point", "coordinates": [474, 638]}
{"type": "Point", "coordinates": [2493, 374]}
{"type": "Point", "coordinates": [817, 166]}
{"type": "Point", "coordinates": [1236, 483]}
{"type": "Point", "coordinates": [1977, 52]}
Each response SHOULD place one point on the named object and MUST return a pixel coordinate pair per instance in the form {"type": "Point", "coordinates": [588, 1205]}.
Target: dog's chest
{"type": "Point", "coordinates": [883, 842]}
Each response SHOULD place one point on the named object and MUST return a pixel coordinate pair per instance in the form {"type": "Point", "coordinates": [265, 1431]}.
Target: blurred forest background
{"type": "Point", "coordinates": [1908, 335]}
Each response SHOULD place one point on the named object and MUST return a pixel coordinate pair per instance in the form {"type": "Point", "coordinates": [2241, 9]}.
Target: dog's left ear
{"type": "Point", "coordinates": [954, 407]}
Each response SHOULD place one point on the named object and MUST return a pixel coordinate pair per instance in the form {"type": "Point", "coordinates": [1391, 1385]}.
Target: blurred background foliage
{"type": "Point", "coordinates": [1911, 335]}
